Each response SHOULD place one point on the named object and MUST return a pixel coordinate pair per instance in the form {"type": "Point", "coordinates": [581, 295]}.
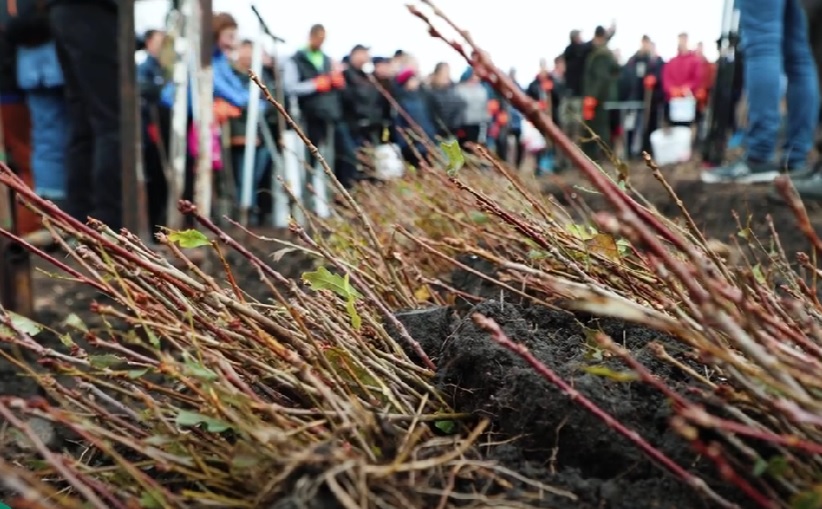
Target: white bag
{"type": "Point", "coordinates": [388, 163]}
{"type": "Point", "coordinates": [682, 109]}
{"type": "Point", "coordinates": [532, 140]}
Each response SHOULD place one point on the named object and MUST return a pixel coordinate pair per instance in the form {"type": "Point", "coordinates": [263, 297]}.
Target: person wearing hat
{"type": "Point", "coordinates": [416, 104]}
{"type": "Point", "coordinates": [361, 101]}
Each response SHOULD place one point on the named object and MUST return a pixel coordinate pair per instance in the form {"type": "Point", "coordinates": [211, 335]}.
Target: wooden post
{"type": "Point", "coordinates": [203, 183]}
{"type": "Point", "coordinates": [176, 172]}
{"type": "Point", "coordinates": [135, 210]}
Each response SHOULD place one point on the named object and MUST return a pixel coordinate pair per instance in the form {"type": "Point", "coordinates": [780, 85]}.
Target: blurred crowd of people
{"type": "Point", "coordinates": [58, 60]}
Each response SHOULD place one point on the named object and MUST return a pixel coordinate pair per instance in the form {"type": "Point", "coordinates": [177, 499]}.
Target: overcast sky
{"type": "Point", "coordinates": [517, 33]}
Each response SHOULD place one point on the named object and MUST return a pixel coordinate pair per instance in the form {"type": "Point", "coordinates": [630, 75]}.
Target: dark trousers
{"type": "Point", "coordinates": [156, 185]}
{"type": "Point", "coordinates": [502, 146]}
{"type": "Point", "coordinates": [86, 39]}
{"type": "Point", "coordinates": [345, 151]}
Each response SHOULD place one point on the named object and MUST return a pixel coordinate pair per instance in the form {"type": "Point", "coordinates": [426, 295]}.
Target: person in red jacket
{"type": "Point", "coordinates": [683, 75]}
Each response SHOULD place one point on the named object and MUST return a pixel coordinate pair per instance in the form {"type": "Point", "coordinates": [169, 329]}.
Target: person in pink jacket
{"type": "Point", "coordinates": [683, 75]}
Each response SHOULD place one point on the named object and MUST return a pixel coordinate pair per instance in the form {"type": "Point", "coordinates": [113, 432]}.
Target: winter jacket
{"type": "Point", "coordinates": [634, 73]}
{"type": "Point", "coordinates": [417, 105]}
{"type": "Point", "coordinates": [446, 106]}
{"type": "Point", "coordinates": [227, 85]}
{"type": "Point", "coordinates": [575, 55]}
{"type": "Point", "coordinates": [299, 74]}
{"type": "Point", "coordinates": [601, 75]}
{"type": "Point", "coordinates": [361, 101]}
{"type": "Point", "coordinates": [536, 91]}
{"type": "Point", "coordinates": [685, 70]}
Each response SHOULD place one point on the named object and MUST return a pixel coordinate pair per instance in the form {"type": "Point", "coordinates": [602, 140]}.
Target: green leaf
{"type": "Point", "coordinates": [75, 322]}
{"type": "Point", "coordinates": [187, 419]}
{"type": "Point", "coordinates": [351, 309]}
{"type": "Point", "coordinates": [322, 279]}
{"type": "Point", "coordinates": [478, 217]}
{"type": "Point", "coordinates": [134, 374]}
{"type": "Point", "coordinates": [66, 340]}
{"type": "Point", "coordinates": [153, 339]}
{"type": "Point", "coordinates": [151, 500]}
{"type": "Point", "coordinates": [196, 369]}
{"type": "Point", "coordinates": [447, 427]}
{"type": "Point", "coordinates": [760, 467]}
{"type": "Point", "coordinates": [22, 324]}
{"type": "Point", "coordinates": [454, 155]}
{"type": "Point", "coordinates": [104, 361]}
{"type": "Point", "coordinates": [616, 376]}
{"type": "Point", "coordinates": [807, 500]}
{"type": "Point", "coordinates": [776, 466]}
{"type": "Point", "coordinates": [758, 275]}
{"type": "Point", "coordinates": [189, 239]}
{"type": "Point", "coordinates": [582, 232]}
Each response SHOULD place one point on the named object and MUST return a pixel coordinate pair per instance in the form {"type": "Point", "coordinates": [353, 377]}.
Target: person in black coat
{"type": "Point", "coordinates": [641, 80]}
{"type": "Point", "coordinates": [85, 32]}
{"type": "Point", "coordinates": [361, 101]}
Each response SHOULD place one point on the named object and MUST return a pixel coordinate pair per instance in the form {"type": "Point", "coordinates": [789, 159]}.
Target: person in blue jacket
{"type": "Point", "coordinates": [416, 103]}
{"type": "Point", "coordinates": [227, 85]}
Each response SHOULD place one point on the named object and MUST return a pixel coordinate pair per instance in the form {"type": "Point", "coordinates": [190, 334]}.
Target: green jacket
{"type": "Point", "coordinates": [601, 76]}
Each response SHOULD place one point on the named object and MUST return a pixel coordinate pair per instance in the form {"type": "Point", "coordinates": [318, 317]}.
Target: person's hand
{"type": "Point", "coordinates": [649, 82]}
{"type": "Point", "coordinates": [493, 107]}
{"type": "Point", "coordinates": [547, 85]}
{"type": "Point", "coordinates": [322, 83]}
{"type": "Point", "coordinates": [502, 118]}
{"type": "Point", "coordinates": [589, 106]}
{"type": "Point", "coordinates": [701, 95]}
{"type": "Point", "coordinates": [224, 111]}
{"type": "Point", "coordinates": [337, 80]}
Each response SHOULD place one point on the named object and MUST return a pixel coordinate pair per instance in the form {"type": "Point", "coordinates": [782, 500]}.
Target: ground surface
{"type": "Point", "coordinates": [558, 442]}
{"type": "Point", "coordinates": [479, 377]}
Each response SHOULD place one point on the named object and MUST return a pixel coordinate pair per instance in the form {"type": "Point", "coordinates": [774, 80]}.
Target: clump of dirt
{"type": "Point", "coordinates": [554, 439]}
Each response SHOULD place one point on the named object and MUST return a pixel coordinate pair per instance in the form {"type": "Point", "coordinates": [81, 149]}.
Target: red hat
{"type": "Point", "coordinates": [405, 75]}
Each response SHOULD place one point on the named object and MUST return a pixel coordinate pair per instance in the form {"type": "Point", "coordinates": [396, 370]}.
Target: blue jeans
{"type": "Point", "coordinates": [775, 40]}
{"type": "Point", "coordinates": [49, 137]}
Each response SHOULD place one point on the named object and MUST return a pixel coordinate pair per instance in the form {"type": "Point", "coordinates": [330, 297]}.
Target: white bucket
{"type": "Point", "coordinates": [682, 109]}
{"type": "Point", "coordinates": [388, 163]}
{"type": "Point", "coordinates": [671, 146]}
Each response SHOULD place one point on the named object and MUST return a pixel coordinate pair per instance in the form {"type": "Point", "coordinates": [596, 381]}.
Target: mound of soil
{"type": "Point", "coordinates": [546, 436]}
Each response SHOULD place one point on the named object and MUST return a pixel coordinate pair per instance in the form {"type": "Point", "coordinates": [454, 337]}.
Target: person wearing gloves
{"type": "Point", "coordinates": [312, 84]}
{"type": "Point", "coordinates": [599, 86]}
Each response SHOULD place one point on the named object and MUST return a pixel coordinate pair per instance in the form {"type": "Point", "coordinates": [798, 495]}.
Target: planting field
{"type": "Point", "coordinates": [538, 448]}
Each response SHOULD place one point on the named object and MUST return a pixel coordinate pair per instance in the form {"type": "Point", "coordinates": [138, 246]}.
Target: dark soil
{"type": "Point", "coordinates": [549, 437]}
